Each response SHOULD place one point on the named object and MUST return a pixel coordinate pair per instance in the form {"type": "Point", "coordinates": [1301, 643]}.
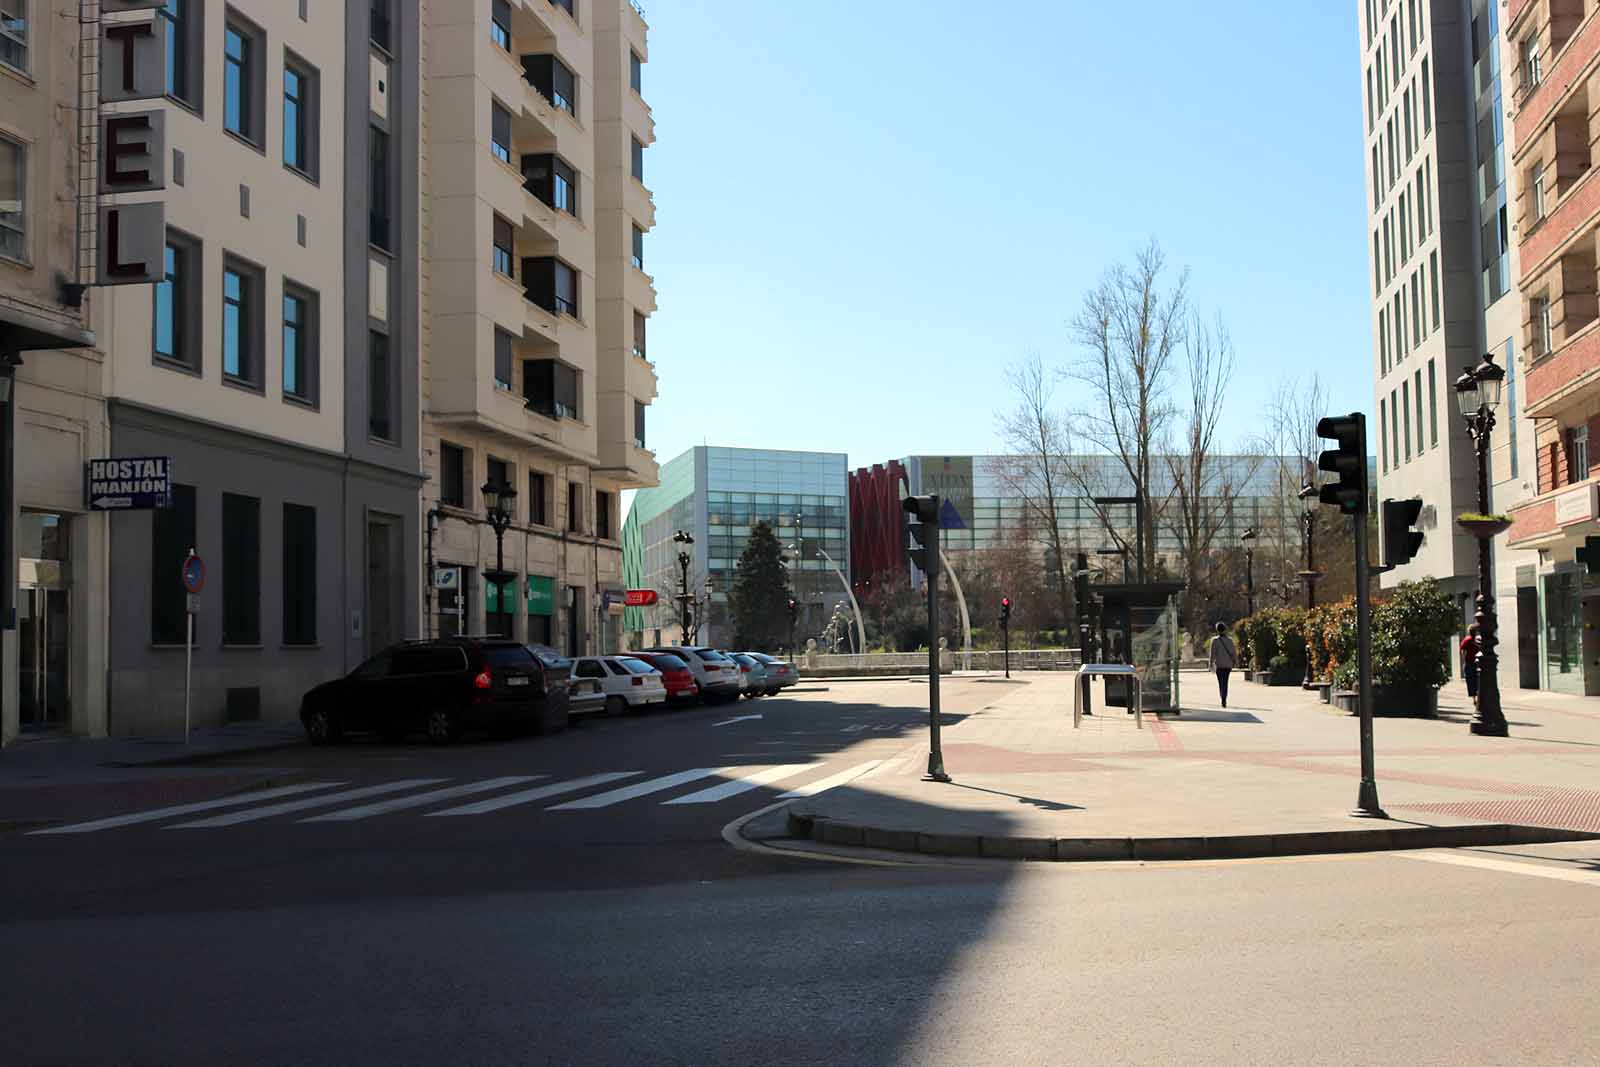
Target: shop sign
{"type": "Point", "coordinates": [639, 598]}
{"type": "Point", "coordinates": [951, 478]}
{"type": "Point", "coordinates": [133, 62]}
{"type": "Point", "coordinates": [132, 484]}
{"type": "Point", "coordinates": [541, 595]}
{"type": "Point", "coordinates": [1576, 506]}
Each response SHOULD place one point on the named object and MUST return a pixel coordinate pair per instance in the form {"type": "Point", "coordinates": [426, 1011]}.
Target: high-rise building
{"type": "Point", "coordinates": [1443, 268]}
{"type": "Point", "coordinates": [1552, 46]}
{"type": "Point", "coordinates": [535, 303]}
{"type": "Point", "coordinates": [715, 496]}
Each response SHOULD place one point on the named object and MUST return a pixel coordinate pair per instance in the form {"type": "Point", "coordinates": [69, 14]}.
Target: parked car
{"type": "Point", "coordinates": [441, 687]}
{"type": "Point", "coordinates": [675, 675]}
{"type": "Point", "coordinates": [752, 675]}
{"type": "Point", "coordinates": [616, 683]}
{"type": "Point", "coordinates": [781, 674]}
{"type": "Point", "coordinates": [717, 675]}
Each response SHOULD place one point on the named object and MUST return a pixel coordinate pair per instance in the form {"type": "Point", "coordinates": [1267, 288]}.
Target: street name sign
{"type": "Point", "coordinates": [137, 483]}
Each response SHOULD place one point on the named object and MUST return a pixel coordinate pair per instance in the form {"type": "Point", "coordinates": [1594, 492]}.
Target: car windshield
{"type": "Point", "coordinates": [507, 655]}
{"type": "Point", "coordinates": [666, 661]}
{"type": "Point", "coordinates": [711, 655]}
{"type": "Point", "coordinates": [635, 666]}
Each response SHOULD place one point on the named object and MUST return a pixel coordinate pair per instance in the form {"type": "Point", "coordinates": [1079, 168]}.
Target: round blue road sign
{"type": "Point", "coordinates": [194, 574]}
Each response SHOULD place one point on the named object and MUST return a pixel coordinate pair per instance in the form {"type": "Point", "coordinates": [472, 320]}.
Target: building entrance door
{"type": "Point", "coordinates": [42, 629]}
{"type": "Point", "coordinates": [383, 580]}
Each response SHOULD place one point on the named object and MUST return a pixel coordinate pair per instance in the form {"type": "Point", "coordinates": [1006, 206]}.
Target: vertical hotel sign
{"type": "Point", "coordinates": [133, 146]}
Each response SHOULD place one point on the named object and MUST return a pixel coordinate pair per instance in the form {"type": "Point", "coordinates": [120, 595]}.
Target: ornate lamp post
{"type": "Point", "coordinates": [1248, 538]}
{"type": "Point", "coordinates": [1309, 492]}
{"type": "Point", "coordinates": [683, 540]}
{"type": "Point", "coordinates": [499, 502]}
{"type": "Point", "coordinates": [1478, 395]}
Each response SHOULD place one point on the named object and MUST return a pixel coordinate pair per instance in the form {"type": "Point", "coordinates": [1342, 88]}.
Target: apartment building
{"type": "Point", "coordinates": [275, 364]}
{"type": "Point", "coordinates": [1444, 264]}
{"type": "Point", "coordinates": [535, 371]}
{"type": "Point", "coordinates": [1553, 63]}
{"type": "Point", "coordinates": [52, 552]}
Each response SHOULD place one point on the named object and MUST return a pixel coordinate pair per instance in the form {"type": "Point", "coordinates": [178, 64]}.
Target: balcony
{"type": "Point", "coordinates": [1566, 69]}
{"type": "Point", "coordinates": [1573, 368]}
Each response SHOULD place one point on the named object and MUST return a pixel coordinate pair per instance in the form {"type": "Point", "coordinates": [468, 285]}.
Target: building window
{"type": "Point", "coordinates": [500, 132]}
{"type": "Point", "coordinates": [178, 24]}
{"type": "Point", "coordinates": [602, 514]}
{"type": "Point", "coordinates": [1580, 452]}
{"type": "Point", "coordinates": [553, 180]}
{"type": "Point", "coordinates": [638, 159]}
{"type": "Point", "coordinates": [242, 70]}
{"type": "Point", "coordinates": [241, 323]}
{"type": "Point", "coordinates": [638, 424]}
{"type": "Point", "coordinates": [378, 174]}
{"type": "Point", "coordinates": [635, 72]}
{"type": "Point", "coordinates": [1530, 61]}
{"type": "Point", "coordinates": [452, 475]}
{"type": "Point", "coordinates": [1543, 334]}
{"type": "Point", "coordinates": [1537, 184]}
{"type": "Point", "coordinates": [551, 284]}
{"type": "Point", "coordinates": [1511, 404]}
{"type": "Point", "coordinates": [538, 495]}
{"type": "Point", "coordinates": [638, 247]}
{"type": "Point", "coordinates": [551, 388]}
{"type": "Point", "coordinates": [14, 34]}
{"type": "Point", "coordinates": [502, 358]}
{"type": "Point", "coordinates": [1405, 415]}
{"type": "Point", "coordinates": [574, 507]}
{"type": "Point", "coordinates": [1433, 263]}
{"type": "Point", "coordinates": [1416, 381]}
{"type": "Point", "coordinates": [500, 23]}
{"type": "Point", "coordinates": [499, 473]}
{"type": "Point", "coordinates": [172, 535]}
{"type": "Point", "coordinates": [241, 570]}
{"type": "Point", "coordinates": [1383, 436]}
{"type": "Point", "coordinates": [638, 335]}
{"type": "Point", "coordinates": [554, 81]}
{"type": "Point", "coordinates": [299, 343]}
{"type": "Point", "coordinates": [569, 6]}
{"type": "Point", "coordinates": [13, 199]}
{"type": "Point", "coordinates": [380, 24]}
{"type": "Point", "coordinates": [1433, 408]}
{"type": "Point", "coordinates": [1427, 98]}
{"type": "Point", "coordinates": [380, 392]}
{"type": "Point", "coordinates": [504, 242]}
{"type": "Point", "coordinates": [299, 116]}
{"type": "Point", "coordinates": [299, 575]}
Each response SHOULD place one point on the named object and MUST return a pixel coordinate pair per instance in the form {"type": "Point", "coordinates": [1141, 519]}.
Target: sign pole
{"type": "Point", "coordinates": [188, 667]}
{"type": "Point", "coordinates": [193, 576]}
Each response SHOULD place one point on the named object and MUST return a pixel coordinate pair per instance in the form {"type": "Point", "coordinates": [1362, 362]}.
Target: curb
{"type": "Point", "coordinates": [203, 757]}
{"type": "Point", "coordinates": [1243, 846]}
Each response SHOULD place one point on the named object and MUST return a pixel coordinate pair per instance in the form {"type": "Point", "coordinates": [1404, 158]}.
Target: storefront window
{"type": "Point", "coordinates": [1563, 626]}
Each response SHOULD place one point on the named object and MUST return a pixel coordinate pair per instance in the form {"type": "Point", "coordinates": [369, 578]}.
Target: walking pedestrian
{"type": "Point", "coordinates": [1222, 655]}
{"type": "Point", "coordinates": [1469, 661]}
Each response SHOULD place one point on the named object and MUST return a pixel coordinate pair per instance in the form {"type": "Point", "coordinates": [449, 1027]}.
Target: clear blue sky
{"type": "Point", "coordinates": [866, 208]}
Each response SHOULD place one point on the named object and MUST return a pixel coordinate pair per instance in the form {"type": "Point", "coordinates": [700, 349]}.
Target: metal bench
{"type": "Point", "coordinates": [1114, 670]}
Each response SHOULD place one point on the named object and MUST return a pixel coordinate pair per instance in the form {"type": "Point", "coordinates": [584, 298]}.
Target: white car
{"type": "Point", "coordinates": [614, 684]}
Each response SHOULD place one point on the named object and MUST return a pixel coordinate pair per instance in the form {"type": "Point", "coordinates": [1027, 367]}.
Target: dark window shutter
{"type": "Point", "coordinates": [539, 281]}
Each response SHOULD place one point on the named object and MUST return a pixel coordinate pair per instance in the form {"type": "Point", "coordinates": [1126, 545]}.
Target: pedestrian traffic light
{"type": "Point", "coordinates": [794, 608]}
{"type": "Point", "coordinates": [1589, 555]}
{"type": "Point", "coordinates": [924, 526]}
{"type": "Point", "coordinates": [1400, 540]}
{"type": "Point", "coordinates": [1005, 610]}
{"type": "Point", "coordinates": [1348, 461]}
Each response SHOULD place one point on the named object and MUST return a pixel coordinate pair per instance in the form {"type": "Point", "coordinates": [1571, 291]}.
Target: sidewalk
{"type": "Point", "coordinates": [1275, 773]}
{"type": "Point", "coordinates": [53, 779]}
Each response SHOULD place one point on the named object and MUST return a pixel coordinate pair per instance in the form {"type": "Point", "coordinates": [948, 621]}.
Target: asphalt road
{"type": "Point", "coordinates": [622, 929]}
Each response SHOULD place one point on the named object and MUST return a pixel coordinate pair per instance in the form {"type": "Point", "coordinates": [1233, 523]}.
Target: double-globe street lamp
{"type": "Point", "coordinates": [683, 540]}
{"type": "Point", "coordinates": [1309, 492]}
{"type": "Point", "coordinates": [1249, 537]}
{"type": "Point", "coordinates": [1478, 395]}
{"type": "Point", "coordinates": [499, 504]}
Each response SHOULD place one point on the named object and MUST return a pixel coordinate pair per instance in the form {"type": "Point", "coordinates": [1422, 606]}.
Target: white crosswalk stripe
{"type": "Point", "coordinates": [813, 788]}
{"type": "Point", "coordinates": [417, 800]}
{"type": "Point", "coordinates": [754, 778]}
{"type": "Point", "coordinates": [186, 809]}
{"type": "Point", "coordinates": [301, 805]}
{"type": "Point", "coordinates": [528, 796]}
{"type": "Point", "coordinates": [654, 785]}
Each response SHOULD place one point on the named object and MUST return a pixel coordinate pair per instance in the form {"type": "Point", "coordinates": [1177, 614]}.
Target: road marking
{"type": "Point", "coordinates": [737, 718]}
{"type": "Point", "coordinates": [742, 784]}
{"type": "Point", "coordinates": [654, 785]}
{"type": "Point", "coordinates": [418, 800]}
{"type": "Point", "coordinates": [1537, 870]}
{"type": "Point", "coordinates": [526, 796]}
{"type": "Point", "coordinates": [812, 788]}
{"type": "Point", "coordinates": [185, 809]}
{"type": "Point", "coordinates": [300, 805]}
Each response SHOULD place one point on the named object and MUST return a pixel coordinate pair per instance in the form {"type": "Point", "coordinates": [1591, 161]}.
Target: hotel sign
{"type": "Point", "coordinates": [1576, 506]}
{"type": "Point", "coordinates": [133, 148]}
{"type": "Point", "coordinates": [132, 484]}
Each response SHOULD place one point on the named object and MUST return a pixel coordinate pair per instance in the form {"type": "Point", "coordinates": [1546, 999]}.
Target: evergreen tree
{"type": "Point", "coordinates": [760, 595]}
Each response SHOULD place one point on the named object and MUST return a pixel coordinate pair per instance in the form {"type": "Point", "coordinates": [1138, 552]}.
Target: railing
{"type": "Point", "coordinates": [1036, 659]}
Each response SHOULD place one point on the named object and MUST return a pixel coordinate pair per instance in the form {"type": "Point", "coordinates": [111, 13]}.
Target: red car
{"type": "Point", "coordinates": [675, 675]}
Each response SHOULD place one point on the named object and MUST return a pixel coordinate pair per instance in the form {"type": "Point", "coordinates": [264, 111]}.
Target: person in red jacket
{"type": "Point", "coordinates": [1469, 660]}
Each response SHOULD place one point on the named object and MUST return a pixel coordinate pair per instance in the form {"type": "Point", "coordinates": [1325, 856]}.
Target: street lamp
{"type": "Point", "coordinates": [1248, 537]}
{"type": "Point", "coordinates": [499, 500]}
{"type": "Point", "coordinates": [1478, 395]}
{"type": "Point", "coordinates": [1310, 492]}
{"type": "Point", "coordinates": [683, 540]}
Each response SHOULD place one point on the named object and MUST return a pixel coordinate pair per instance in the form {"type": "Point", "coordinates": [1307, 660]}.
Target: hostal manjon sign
{"type": "Point", "coordinates": [127, 484]}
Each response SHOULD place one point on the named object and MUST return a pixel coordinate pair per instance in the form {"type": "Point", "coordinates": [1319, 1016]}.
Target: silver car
{"type": "Point", "coordinates": [717, 674]}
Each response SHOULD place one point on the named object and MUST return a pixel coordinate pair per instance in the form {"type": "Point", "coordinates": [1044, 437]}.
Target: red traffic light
{"type": "Point", "coordinates": [1005, 602]}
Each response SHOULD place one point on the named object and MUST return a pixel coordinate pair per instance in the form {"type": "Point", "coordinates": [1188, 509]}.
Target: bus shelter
{"type": "Point", "coordinates": [1138, 626]}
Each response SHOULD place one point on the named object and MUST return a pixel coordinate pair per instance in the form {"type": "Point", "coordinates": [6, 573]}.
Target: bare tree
{"type": "Point", "coordinates": [1131, 327]}
{"type": "Point", "coordinates": [1035, 470]}
{"type": "Point", "coordinates": [1292, 446]}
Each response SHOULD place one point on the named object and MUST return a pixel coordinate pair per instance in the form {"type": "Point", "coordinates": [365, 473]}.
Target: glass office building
{"type": "Point", "coordinates": [717, 495]}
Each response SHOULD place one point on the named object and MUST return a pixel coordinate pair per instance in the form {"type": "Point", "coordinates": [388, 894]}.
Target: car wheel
{"type": "Point", "coordinates": [443, 726]}
{"type": "Point", "coordinates": [322, 727]}
{"type": "Point", "coordinates": [615, 706]}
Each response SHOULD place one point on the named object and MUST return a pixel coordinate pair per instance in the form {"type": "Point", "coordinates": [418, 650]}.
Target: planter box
{"type": "Point", "coordinates": [1392, 703]}
{"type": "Point", "coordinates": [1347, 700]}
{"type": "Point", "coordinates": [1325, 691]}
{"type": "Point", "coordinates": [1287, 677]}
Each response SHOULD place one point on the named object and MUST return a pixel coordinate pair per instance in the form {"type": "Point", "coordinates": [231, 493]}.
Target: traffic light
{"type": "Point", "coordinates": [1400, 540]}
{"type": "Point", "coordinates": [794, 608]}
{"type": "Point", "coordinates": [1589, 555]}
{"type": "Point", "coordinates": [1005, 610]}
{"type": "Point", "coordinates": [924, 526]}
{"type": "Point", "coordinates": [1348, 461]}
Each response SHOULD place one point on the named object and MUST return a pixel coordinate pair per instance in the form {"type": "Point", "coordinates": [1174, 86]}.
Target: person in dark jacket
{"type": "Point", "coordinates": [1222, 656]}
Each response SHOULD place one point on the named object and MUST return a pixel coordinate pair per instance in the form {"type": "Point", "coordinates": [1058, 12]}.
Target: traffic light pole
{"type": "Point", "coordinates": [1005, 642]}
{"type": "Point", "coordinates": [936, 770]}
{"type": "Point", "coordinates": [1367, 806]}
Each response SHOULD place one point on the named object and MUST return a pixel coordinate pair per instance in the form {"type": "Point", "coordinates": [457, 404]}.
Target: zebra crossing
{"type": "Point", "coordinates": [330, 802]}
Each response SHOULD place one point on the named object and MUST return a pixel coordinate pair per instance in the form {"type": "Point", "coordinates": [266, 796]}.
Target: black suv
{"type": "Point", "coordinates": [442, 688]}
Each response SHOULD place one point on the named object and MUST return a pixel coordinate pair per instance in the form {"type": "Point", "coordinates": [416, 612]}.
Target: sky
{"type": "Point", "coordinates": [867, 209]}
